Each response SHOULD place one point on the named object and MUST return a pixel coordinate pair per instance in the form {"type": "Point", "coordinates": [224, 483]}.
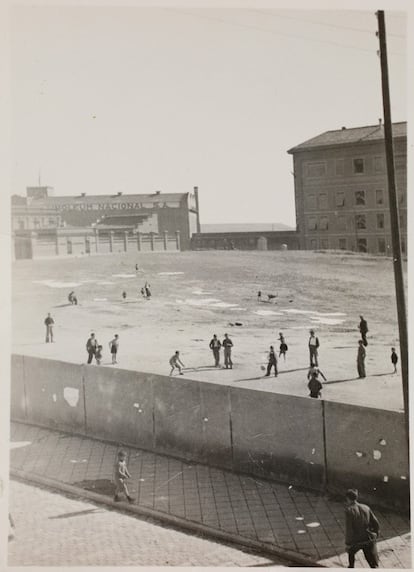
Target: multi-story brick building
{"type": "Point", "coordinates": [341, 189]}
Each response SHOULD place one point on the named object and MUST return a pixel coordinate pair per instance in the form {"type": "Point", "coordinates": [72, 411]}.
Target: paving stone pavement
{"type": "Point", "coordinates": [251, 508]}
{"type": "Point", "coordinates": [62, 531]}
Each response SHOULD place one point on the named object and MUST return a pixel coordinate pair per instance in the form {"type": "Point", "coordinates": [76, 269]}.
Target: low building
{"type": "Point", "coordinates": [341, 189]}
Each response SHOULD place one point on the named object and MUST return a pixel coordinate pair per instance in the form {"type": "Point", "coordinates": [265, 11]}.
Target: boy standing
{"type": "Point", "coordinates": [272, 362]}
{"type": "Point", "coordinates": [176, 363]}
{"type": "Point", "coordinates": [283, 348]}
{"type": "Point", "coordinates": [91, 347]}
{"type": "Point", "coordinates": [227, 345]}
{"type": "Point", "coordinates": [113, 347]}
{"type": "Point", "coordinates": [394, 359]}
{"type": "Point", "coordinates": [49, 323]}
{"type": "Point", "coordinates": [98, 355]}
{"type": "Point", "coordinates": [313, 348]}
{"type": "Point", "coordinates": [121, 474]}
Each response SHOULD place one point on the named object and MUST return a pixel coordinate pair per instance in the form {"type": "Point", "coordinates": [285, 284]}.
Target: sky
{"type": "Point", "coordinates": [134, 99]}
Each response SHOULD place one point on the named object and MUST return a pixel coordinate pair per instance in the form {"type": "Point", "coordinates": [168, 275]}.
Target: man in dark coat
{"type": "Point", "coordinates": [272, 361]}
{"type": "Point", "coordinates": [361, 359]}
{"type": "Point", "coordinates": [49, 323]}
{"type": "Point", "coordinates": [363, 328]}
{"type": "Point", "coordinates": [361, 530]}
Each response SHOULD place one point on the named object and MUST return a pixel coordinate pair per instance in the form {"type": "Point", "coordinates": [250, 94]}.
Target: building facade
{"type": "Point", "coordinates": [157, 213]}
{"type": "Point", "coordinates": [341, 189]}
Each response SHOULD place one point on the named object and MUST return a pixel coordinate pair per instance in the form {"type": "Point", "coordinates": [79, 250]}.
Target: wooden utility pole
{"type": "Point", "coordinates": [395, 224]}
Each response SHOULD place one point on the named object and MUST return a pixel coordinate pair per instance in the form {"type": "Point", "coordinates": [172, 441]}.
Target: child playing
{"type": "Point", "coordinates": [283, 346]}
{"type": "Point", "coordinates": [394, 359]}
{"type": "Point", "coordinates": [315, 387]}
{"type": "Point", "coordinates": [121, 474]}
{"type": "Point", "coordinates": [176, 363]}
{"type": "Point", "coordinates": [98, 355]}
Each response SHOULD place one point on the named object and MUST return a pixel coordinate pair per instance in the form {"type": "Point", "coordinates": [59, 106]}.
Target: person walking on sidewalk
{"type": "Point", "coordinates": [361, 530]}
{"type": "Point", "coordinates": [363, 328]}
{"type": "Point", "coordinates": [121, 474]}
{"type": "Point", "coordinates": [215, 346]}
{"type": "Point", "coordinates": [394, 359]}
{"type": "Point", "coordinates": [113, 347]}
{"type": "Point", "coordinates": [271, 362]}
{"type": "Point", "coordinates": [49, 323]}
{"type": "Point", "coordinates": [313, 348]}
{"type": "Point", "coordinates": [227, 345]}
{"type": "Point", "coordinates": [314, 386]}
{"type": "Point", "coordinates": [176, 363]}
{"type": "Point", "coordinates": [361, 359]}
{"type": "Point", "coordinates": [91, 347]}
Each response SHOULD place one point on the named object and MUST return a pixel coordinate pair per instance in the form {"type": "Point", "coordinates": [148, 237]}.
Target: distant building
{"type": "Point", "coordinates": [157, 212]}
{"type": "Point", "coordinates": [341, 189]}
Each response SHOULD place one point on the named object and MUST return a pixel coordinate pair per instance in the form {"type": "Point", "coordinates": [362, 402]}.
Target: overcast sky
{"type": "Point", "coordinates": [131, 99]}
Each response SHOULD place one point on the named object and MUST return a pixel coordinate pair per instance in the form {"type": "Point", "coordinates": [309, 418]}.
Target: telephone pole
{"type": "Point", "coordinates": [395, 224]}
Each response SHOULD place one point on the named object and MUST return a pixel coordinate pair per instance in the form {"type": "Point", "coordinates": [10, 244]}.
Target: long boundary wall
{"type": "Point", "coordinates": [321, 445]}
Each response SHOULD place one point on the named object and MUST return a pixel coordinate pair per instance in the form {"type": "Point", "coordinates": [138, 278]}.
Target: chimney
{"type": "Point", "coordinates": [157, 192]}
{"type": "Point", "coordinates": [343, 128]}
{"type": "Point", "coordinates": [197, 209]}
{"type": "Point", "coordinates": [83, 194]}
{"type": "Point", "coordinates": [119, 193]}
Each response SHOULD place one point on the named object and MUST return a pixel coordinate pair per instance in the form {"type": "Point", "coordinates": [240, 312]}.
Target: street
{"type": "Point", "coordinates": [62, 531]}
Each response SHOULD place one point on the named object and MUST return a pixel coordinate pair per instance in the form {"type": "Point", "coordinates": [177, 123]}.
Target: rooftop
{"type": "Point", "coordinates": [115, 198]}
{"type": "Point", "coordinates": [346, 136]}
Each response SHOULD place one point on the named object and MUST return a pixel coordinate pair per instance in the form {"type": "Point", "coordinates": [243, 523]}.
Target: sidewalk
{"type": "Point", "coordinates": [280, 519]}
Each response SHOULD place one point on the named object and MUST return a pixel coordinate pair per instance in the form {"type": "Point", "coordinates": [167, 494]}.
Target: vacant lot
{"type": "Point", "coordinates": [197, 294]}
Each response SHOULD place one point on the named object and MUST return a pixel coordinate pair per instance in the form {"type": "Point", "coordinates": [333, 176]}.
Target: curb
{"type": "Point", "coordinates": [195, 527]}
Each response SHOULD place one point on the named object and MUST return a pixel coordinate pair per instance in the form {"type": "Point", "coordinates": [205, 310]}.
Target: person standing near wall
{"type": "Point", "coordinates": [394, 359]}
{"type": "Point", "coordinates": [215, 346]}
{"type": "Point", "coordinates": [313, 345]}
{"type": "Point", "coordinates": [361, 530]}
{"type": "Point", "coordinates": [49, 323]}
{"type": "Point", "coordinates": [113, 348]}
{"type": "Point", "coordinates": [363, 328]}
{"type": "Point", "coordinates": [361, 359]}
{"type": "Point", "coordinates": [227, 345]}
{"type": "Point", "coordinates": [91, 347]}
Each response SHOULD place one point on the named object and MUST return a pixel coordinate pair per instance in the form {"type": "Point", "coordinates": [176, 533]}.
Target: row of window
{"type": "Point", "coordinates": [359, 198]}
{"type": "Point", "coordinates": [340, 222]}
{"type": "Point", "coordinates": [358, 167]}
{"type": "Point", "coordinates": [37, 223]}
{"type": "Point", "coordinates": [383, 246]}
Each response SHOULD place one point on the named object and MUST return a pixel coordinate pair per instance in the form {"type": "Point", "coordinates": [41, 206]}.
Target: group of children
{"type": "Point", "coordinates": [94, 349]}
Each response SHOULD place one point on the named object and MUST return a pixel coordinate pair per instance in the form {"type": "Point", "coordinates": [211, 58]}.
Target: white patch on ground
{"type": "Point", "coordinates": [237, 308]}
{"type": "Point", "coordinates": [385, 479]}
{"type": "Point", "coordinates": [75, 461]}
{"type": "Point", "coordinates": [200, 292]}
{"type": "Point", "coordinates": [294, 311]}
{"type": "Point", "coordinates": [299, 518]}
{"type": "Point", "coordinates": [313, 524]}
{"type": "Point", "coordinates": [54, 397]}
{"type": "Point", "coordinates": [223, 305]}
{"type": "Point", "coordinates": [327, 321]}
{"type": "Point", "coordinates": [169, 273]}
{"type": "Point", "coordinates": [267, 313]}
{"type": "Point", "coordinates": [376, 454]}
{"type": "Point", "coordinates": [200, 302]}
{"type": "Point", "coordinates": [329, 313]}
{"type": "Point", "coordinates": [301, 531]}
{"type": "Point", "coordinates": [136, 405]}
{"type": "Point", "coordinates": [71, 396]}
{"type": "Point", "coordinates": [56, 283]}
{"type": "Point", "coordinates": [124, 275]}
{"type": "Point", "coordinates": [100, 299]}
{"type": "Point", "coordinates": [19, 444]}
{"type": "Point", "coordinates": [105, 283]}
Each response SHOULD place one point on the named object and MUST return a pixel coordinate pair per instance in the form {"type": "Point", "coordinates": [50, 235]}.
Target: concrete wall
{"type": "Point", "coordinates": [321, 445]}
{"type": "Point", "coordinates": [368, 448]}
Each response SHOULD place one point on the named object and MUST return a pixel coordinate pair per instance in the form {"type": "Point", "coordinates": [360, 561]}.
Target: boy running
{"type": "Point", "coordinates": [176, 363]}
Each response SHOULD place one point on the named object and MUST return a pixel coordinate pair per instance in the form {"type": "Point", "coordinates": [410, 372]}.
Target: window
{"type": "Point", "coordinates": [358, 166]}
{"type": "Point", "coordinates": [313, 244]}
{"type": "Point", "coordinates": [324, 223]}
{"type": "Point", "coordinates": [360, 198]}
{"type": "Point", "coordinates": [324, 243]}
{"type": "Point", "coordinates": [362, 245]}
{"type": "Point", "coordinates": [323, 201]}
{"type": "Point", "coordinates": [340, 199]}
{"type": "Point", "coordinates": [52, 222]}
{"type": "Point", "coordinates": [311, 202]}
{"type": "Point", "coordinates": [21, 224]}
{"type": "Point", "coordinates": [379, 197]}
{"type": "Point", "coordinates": [381, 246]}
{"type": "Point", "coordinates": [380, 220]}
{"type": "Point", "coordinates": [379, 164]}
{"type": "Point", "coordinates": [316, 169]}
{"type": "Point", "coordinates": [342, 243]}
{"type": "Point", "coordinates": [339, 167]}
{"type": "Point", "coordinates": [341, 223]}
{"type": "Point", "coordinates": [36, 223]}
{"type": "Point", "coordinates": [312, 223]}
{"type": "Point", "coordinates": [361, 222]}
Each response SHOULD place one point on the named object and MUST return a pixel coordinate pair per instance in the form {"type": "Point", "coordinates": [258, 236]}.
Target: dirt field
{"type": "Point", "coordinates": [197, 294]}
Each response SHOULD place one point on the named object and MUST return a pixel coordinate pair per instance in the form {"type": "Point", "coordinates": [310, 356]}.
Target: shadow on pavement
{"type": "Point", "coordinates": [100, 486]}
{"type": "Point", "coordinates": [77, 513]}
